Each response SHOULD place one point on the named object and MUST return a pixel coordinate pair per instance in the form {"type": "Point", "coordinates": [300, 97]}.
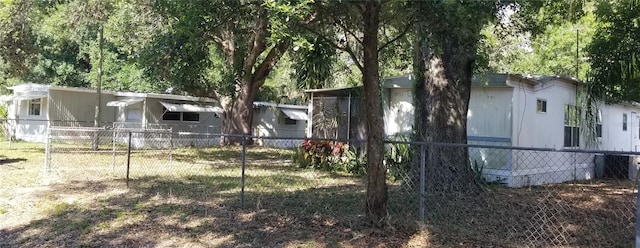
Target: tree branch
{"type": "Point", "coordinates": [402, 34]}
{"type": "Point", "coordinates": [347, 30]}
{"type": "Point", "coordinates": [256, 43]}
{"type": "Point", "coordinates": [227, 42]}
{"type": "Point", "coordinates": [353, 56]}
{"type": "Point", "coordinates": [346, 49]}
{"type": "Point", "coordinates": [269, 62]}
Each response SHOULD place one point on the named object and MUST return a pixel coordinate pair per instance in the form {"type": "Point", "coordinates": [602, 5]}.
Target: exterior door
{"type": "Point", "coordinates": [133, 116]}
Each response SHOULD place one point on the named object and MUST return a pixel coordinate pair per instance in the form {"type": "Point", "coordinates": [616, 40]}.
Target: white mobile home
{"type": "Point", "coordinates": [271, 120]}
{"type": "Point", "coordinates": [35, 107]}
{"type": "Point", "coordinates": [512, 110]}
{"type": "Point", "coordinates": [526, 111]}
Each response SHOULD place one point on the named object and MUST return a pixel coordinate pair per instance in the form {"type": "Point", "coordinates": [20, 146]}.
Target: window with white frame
{"type": "Point", "coordinates": [624, 122]}
{"type": "Point", "coordinates": [541, 106]}
{"type": "Point", "coordinates": [571, 126]}
{"type": "Point", "coordinates": [35, 106]}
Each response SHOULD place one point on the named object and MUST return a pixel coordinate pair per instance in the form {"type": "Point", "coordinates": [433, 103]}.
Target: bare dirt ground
{"type": "Point", "coordinates": [194, 202]}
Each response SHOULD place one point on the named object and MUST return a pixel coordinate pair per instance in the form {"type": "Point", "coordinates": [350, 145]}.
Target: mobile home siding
{"type": "Point", "coordinates": [71, 108]}
{"type": "Point", "coordinates": [613, 135]}
{"type": "Point", "coordinates": [489, 112]}
{"type": "Point", "coordinates": [269, 122]}
{"type": "Point", "coordinates": [208, 123]}
{"type": "Point", "coordinates": [399, 117]}
{"type": "Point", "coordinates": [533, 129]}
{"type": "Point", "coordinates": [31, 127]}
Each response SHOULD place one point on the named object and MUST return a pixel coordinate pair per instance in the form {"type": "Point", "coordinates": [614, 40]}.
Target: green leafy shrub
{"type": "Point", "coordinates": [330, 156]}
{"type": "Point", "coordinates": [339, 156]}
{"type": "Point", "coordinates": [398, 157]}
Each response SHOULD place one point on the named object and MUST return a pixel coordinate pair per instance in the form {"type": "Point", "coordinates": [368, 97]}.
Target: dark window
{"type": "Point", "coordinates": [170, 116]}
{"type": "Point", "coordinates": [289, 121]}
{"type": "Point", "coordinates": [541, 106]}
{"type": "Point", "coordinates": [34, 107]}
{"type": "Point", "coordinates": [599, 124]}
{"type": "Point", "coordinates": [571, 136]}
{"type": "Point", "coordinates": [624, 122]}
{"type": "Point", "coordinates": [571, 126]}
{"type": "Point", "coordinates": [190, 116]}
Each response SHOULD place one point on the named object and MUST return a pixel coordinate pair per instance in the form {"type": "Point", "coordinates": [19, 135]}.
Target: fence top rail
{"type": "Point", "coordinates": [444, 144]}
{"type": "Point", "coordinates": [64, 128]}
{"type": "Point", "coordinates": [386, 141]}
{"type": "Point", "coordinates": [142, 130]}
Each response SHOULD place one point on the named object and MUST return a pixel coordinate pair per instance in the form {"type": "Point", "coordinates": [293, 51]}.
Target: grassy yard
{"type": "Point", "coordinates": [191, 197]}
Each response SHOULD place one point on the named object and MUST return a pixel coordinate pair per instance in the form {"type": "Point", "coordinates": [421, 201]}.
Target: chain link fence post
{"type": "Point", "coordinates": [47, 152]}
{"type": "Point", "coordinates": [171, 148]}
{"type": "Point", "coordinates": [422, 182]}
{"type": "Point", "coordinates": [637, 213]}
{"type": "Point", "coordinates": [128, 157]}
{"type": "Point", "coordinates": [244, 152]}
{"type": "Point", "coordinates": [113, 149]}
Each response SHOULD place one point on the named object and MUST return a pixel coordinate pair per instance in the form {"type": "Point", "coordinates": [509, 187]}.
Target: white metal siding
{"type": "Point", "coordinates": [613, 137]}
{"type": "Point", "coordinates": [208, 123]}
{"type": "Point", "coordinates": [79, 107]}
{"type": "Point", "coordinates": [269, 122]}
{"type": "Point", "coordinates": [489, 112]}
{"type": "Point", "coordinates": [532, 129]}
{"type": "Point", "coordinates": [399, 115]}
{"type": "Point", "coordinates": [31, 127]}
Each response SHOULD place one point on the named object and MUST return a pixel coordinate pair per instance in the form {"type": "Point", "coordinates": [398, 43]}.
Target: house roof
{"type": "Point", "coordinates": [164, 96]}
{"type": "Point", "coordinates": [339, 91]}
{"type": "Point", "coordinates": [29, 87]}
{"type": "Point", "coordinates": [547, 78]}
{"type": "Point", "coordinates": [402, 81]}
{"type": "Point", "coordinates": [486, 80]}
{"type": "Point", "coordinates": [278, 105]}
{"type": "Point", "coordinates": [32, 87]}
{"type": "Point", "coordinates": [296, 112]}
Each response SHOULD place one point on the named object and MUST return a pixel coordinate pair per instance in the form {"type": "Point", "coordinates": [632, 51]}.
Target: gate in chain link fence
{"type": "Point", "coordinates": [508, 196]}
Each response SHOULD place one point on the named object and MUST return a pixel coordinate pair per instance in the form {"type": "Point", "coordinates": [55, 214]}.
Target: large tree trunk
{"type": "Point", "coordinates": [239, 119]}
{"type": "Point", "coordinates": [376, 201]}
{"type": "Point", "coordinates": [442, 92]}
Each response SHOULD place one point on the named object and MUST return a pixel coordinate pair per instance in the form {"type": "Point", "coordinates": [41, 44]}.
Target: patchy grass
{"type": "Point", "coordinates": [191, 197]}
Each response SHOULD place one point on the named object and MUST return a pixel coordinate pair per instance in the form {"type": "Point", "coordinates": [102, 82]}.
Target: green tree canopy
{"type": "Point", "coordinates": [615, 52]}
{"type": "Point", "coordinates": [550, 38]}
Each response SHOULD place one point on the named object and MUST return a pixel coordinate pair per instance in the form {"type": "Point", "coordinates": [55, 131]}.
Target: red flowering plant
{"type": "Point", "coordinates": [322, 154]}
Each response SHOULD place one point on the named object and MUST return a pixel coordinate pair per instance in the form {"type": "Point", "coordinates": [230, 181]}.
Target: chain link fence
{"type": "Point", "coordinates": [476, 195]}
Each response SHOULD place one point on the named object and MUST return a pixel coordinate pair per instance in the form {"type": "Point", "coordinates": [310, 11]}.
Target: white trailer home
{"type": "Point", "coordinates": [32, 108]}
{"type": "Point", "coordinates": [272, 120]}
{"type": "Point", "coordinates": [35, 107]}
{"type": "Point", "coordinates": [526, 111]}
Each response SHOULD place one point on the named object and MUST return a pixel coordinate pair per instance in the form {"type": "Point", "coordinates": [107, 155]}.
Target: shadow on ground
{"type": "Point", "coordinates": [293, 209]}
{"type": "Point", "coordinates": [8, 161]}
{"type": "Point", "coordinates": [204, 211]}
